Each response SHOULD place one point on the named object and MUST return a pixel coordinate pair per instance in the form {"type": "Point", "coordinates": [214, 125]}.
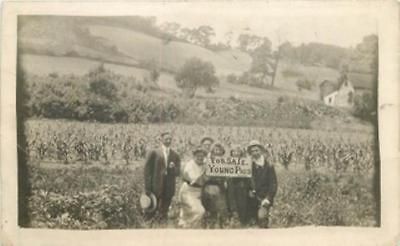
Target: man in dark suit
{"type": "Point", "coordinates": [161, 169]}
{"type": "Point", "coordinates": [264, 185]}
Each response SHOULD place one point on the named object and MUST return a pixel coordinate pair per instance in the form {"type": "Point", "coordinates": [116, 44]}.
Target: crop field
{"type": "Point", "coordinates": [90, 175]}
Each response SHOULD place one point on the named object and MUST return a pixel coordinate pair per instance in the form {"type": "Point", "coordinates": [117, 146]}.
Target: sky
{"type": "Point", "coordinates": [341, 25]}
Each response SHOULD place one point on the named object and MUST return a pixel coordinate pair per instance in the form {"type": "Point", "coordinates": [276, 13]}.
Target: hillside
{"type": "Point", "coordinates": [130, 46]}
{"type": "Point", "coordinates": [60, 36]}
{"type": "Point", "coordinates": [42, 65]}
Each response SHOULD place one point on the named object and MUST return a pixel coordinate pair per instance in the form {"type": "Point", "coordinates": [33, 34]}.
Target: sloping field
{"type": "Point", "coordinates": [43, 65]}
{"type": "Point", "coordinates": [312, 73]}
{"type": "Point", "coordinates": [62, 36]}
{"type": "Point", "coordinates": [172, 54]}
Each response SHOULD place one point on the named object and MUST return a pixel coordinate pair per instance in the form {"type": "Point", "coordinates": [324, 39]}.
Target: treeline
{"type": "Point", "coordinates": [316, 54]}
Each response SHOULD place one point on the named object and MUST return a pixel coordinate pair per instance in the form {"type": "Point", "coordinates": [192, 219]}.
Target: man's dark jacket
{"type": "Point", "coordinates": [158, 178]}
{"type": "Point", "coordinates": [264, 181]}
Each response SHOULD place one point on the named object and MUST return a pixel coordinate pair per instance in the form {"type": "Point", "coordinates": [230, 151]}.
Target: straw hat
{"type": "Point", "coordinates": [148, 203]}
{"type": "Point", "coordinates": [207, 138]}
{"type": "Point", "coordinates": [262, 212]}
{"type": "Point", "coordinates": [254, 143]}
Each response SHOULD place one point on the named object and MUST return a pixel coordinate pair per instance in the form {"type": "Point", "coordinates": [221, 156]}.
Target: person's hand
{"type": "Point", "coordinates": [265, 203]}
{"type": "Point", "coordinates": [252, 193]}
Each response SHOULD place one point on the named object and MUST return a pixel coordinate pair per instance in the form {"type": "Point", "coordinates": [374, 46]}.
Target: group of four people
{"type": "Point", "coordinates": [250, 198]}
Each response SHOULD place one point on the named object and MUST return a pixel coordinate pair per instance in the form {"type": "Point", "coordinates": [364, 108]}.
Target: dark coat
{"type": "Point", "coordinates": [238, 197]}
{"type": "Point", "coordinates": [159, 179]}
{"type": "Point", "coordinates": [264, 181]}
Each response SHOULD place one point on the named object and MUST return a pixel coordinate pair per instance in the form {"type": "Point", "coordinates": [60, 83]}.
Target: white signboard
{"type": "Point", "coordinates": [228, 167]}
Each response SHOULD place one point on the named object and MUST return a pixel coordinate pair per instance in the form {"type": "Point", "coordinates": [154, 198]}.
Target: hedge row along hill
{"type": "Point", "coordinates": [104, 96]}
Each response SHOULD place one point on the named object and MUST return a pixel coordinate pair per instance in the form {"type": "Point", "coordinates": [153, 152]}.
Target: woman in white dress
{"type": "Point", "coordinates": [194, 178]}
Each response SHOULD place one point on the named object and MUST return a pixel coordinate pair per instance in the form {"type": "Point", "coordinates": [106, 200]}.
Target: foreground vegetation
{"type": "Point", "coordinates": [98, 198]}
{"type": "Point", "coordinates": [89, 175]}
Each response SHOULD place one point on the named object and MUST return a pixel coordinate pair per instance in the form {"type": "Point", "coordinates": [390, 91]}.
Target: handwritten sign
{"type": "Point", "coordinates": [228, 167]}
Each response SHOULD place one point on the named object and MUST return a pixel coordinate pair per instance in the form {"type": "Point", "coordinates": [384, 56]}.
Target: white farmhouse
{"type": "Point", "coordinates": [341, 94]}
{"type": "Point", "coordinates": [337, 95]}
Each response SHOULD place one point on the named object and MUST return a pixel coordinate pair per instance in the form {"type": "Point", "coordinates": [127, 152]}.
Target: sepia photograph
{"type": "Point", "coordinates": [168, 116]}
{"type": "Point", "coordinates": [140, 121]}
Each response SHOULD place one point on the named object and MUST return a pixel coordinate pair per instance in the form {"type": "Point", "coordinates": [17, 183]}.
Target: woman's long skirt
{"type": "Point", "coordinates": [192, 210]}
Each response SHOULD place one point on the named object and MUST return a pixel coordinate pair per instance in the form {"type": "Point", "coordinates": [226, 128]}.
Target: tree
{"type": "Point", "coordinates": [263, 60]}
{"type": "Point", "coordinates": [277, 56]}
{"type": "Point", "coordinates": [228, 38]}
{"type": "Point", "coordinates": [154, 75]}
{"type": "Point", "coordinates": [100, 83]}
{"type": "Point", "coordinates": [365, 106]}
{"type": "Point", "coordinates": [287, 50]}
{"type": "Point", "coordinates": [249, 43]}
{"type": "Point", "coordinates": [171, 28]}
{"type": "Point", "coordinates": [186, 34]}
{"type": "Point", "coordinates": [200, 36]}
{"type": "Point", "coordinates": [194, 74]}
{"type": "Point", "coordinates": [203, 35]}
{"type": "Point", "coordinates": [154, 72]}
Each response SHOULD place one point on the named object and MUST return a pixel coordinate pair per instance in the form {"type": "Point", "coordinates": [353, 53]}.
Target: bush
{"type": "Point", "coordinates": [305, 84]}
{"type": "Point", "coordinates": [194, 74]}
{"type": "Point", "coordinates": [323, 199]}
{"type": "Point", "coordinates": [232, 79]}
{"type": "Point", "coordinates": [85, 199]}
{"type": "Point", "coordinates": [106, 97]}
{"type": "Point", "coordinates": [99, 95]}
{"type": "Point", "coordinates": [365, 106]}
{"type": "Point", "coordinates": [253, 80]}
{"type": "Point", "coordinates": [290, 72]}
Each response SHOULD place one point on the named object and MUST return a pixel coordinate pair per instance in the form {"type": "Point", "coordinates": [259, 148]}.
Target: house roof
{"type": "Point", "coordinates": [362, 80]}
{"type": "Point", "coordinates": [327, 87]}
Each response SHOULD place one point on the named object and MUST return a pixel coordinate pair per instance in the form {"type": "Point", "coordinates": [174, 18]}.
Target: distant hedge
{"type": "Point", "coordinates": [104, 96]}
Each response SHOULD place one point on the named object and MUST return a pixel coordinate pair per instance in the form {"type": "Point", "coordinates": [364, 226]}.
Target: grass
{"type": "Point", "coordinates": [171, 55]}
{"type": "Point", "coordinates": [323, 198]}
{"type": "Point", "coordinates": [108, 198]}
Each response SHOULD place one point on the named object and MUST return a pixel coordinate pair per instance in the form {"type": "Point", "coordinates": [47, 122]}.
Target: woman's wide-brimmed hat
{"type": "Point", "coordinates": [148, 202]}
{"type": "Point", "coordinates": [199, 149]}
{"type": "Point", "coordinates": [254, 143]}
